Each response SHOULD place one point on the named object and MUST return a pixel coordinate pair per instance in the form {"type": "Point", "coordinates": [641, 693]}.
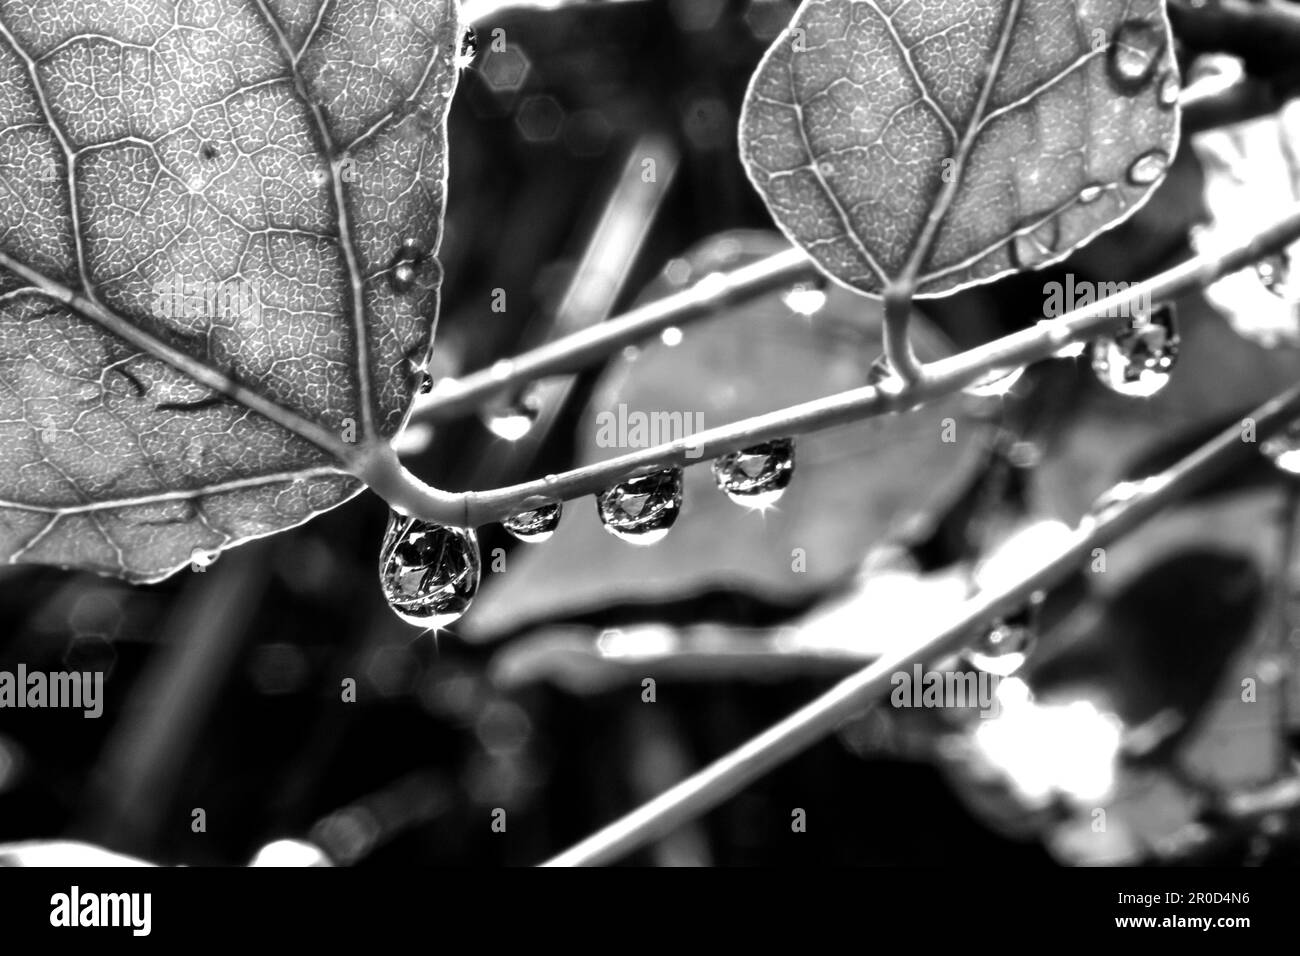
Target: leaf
{"type": "Point", "coordinates": [853, 486]}
{"type": "Point", "coordinates": [959, 141]}
{"type": "Point", "coordinates": [227, 186]}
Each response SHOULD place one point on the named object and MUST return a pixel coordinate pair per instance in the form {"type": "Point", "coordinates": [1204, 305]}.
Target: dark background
{"type": "Point", "coordinates": [223, 686]}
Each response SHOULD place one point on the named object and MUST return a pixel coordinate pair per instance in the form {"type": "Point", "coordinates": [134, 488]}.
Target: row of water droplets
{"type": "Point", "coordinates": [430, 573]}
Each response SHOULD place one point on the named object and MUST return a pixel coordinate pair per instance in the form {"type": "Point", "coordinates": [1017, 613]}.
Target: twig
{"type": "Point", "coordinates": [726, 776]}
{"type": "Point", "coordinates": [405, 492]}
{"type": "Point", "coordinates": [572, 353]}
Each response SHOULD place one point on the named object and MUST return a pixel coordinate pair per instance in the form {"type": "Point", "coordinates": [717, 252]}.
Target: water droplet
{"type": "Point", "coordinates": [429, 573]}
{"type": "Point", "coordinates": [1035, 244]}
{"type": "Point", "coordinates": [1274, 273]}
{"type": "Point", "coordinates": [671, 336]}
{"type": "Point", "coordinates": [1135, 54]}
{"type": "Point", "coordinates": [512, 422]}
{"type": "Point", "coordinates": [756, 477]}
{"type": "Point", "coordinates": [403, 277]}
{"type": "Point", "coordinates": [1284, 449]}
{"type": "Point", "coordinates": [1114, 499]}
{"type": "Point", "coordinates": [804, 299]}
{"type": "Point", "coordinates": [409, 254]}
{"type": "Point", "coordinates": [536, 524]}
{"type": "Point", "coordinates": [1148, 167]}
{"type": "Point", "coordinates": [1003, 648]}
{"type": "Point", "coordinates": [1170, 90]}
{"type": "Point", "coordinates": [995, 384]}
{"type": "Point", "coordinates": [642, 509]}
{"type": "Point", "coordinates": [1091, 193]}
{"type": "Point", "coordinates": [1137, 361]}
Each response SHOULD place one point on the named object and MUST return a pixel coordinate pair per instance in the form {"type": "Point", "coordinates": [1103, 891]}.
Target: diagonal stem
{"type": "Point", "coordinates": [726, 776]}
{"type": "Point", "coordinates": [574, 352]}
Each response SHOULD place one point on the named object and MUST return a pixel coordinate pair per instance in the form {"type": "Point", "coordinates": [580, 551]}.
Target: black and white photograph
{"type": "Point", "coordinates": [732, 434]}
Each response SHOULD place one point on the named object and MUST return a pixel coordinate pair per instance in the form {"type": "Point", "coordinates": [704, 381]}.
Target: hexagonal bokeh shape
{"type": "Point", "coordinates": [539, 118]}
{"type": "Point", "coordinates": [696, 15]}
{"type": "Point", "coordinates": [505, 70]}
{"type": "Point", "coordinates": [767, 18]}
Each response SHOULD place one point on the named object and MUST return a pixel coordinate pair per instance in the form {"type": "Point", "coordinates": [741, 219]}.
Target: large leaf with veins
{"type": "Point", "coordinates": [207, 206]}
{"type": "Point", "coordinates": [960, 140]}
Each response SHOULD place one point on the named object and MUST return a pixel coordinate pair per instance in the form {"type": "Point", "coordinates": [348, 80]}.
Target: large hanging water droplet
{"type": "Point", "coordinates": [642, 509]}
{"type": "Point", "coordinates": [1283, 449]}
{"type": "Point", "coordinates": [1148, 167]}
{"type": "Point", "coordinates": [1134, 55]}
{"type": "Point", "coordinates": [1003, 648]}
{"type": "Point", "coordinates": [756, 477]}
{"type": "Point", "coordinates": [1137, 361]}
{"type": "Point", "coordinates": [429, 573]}
{"type": "Point", "coordinates": [535, 525]}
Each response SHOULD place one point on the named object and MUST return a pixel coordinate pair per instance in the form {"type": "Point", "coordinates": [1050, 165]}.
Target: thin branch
{"type": "Point", "coordinates": [572, 353]}
{"type": "Point", "coordinates": [720, 780]}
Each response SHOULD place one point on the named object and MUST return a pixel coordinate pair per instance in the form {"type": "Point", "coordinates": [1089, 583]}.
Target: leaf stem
{"type": "Point", "coordinates": [728, 775]}
{"type": "Point", "coordinates": [898, 345]}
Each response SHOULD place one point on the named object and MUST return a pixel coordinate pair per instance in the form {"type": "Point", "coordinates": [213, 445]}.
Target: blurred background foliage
{"type": "Point", "coordinates": [223, 686]}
